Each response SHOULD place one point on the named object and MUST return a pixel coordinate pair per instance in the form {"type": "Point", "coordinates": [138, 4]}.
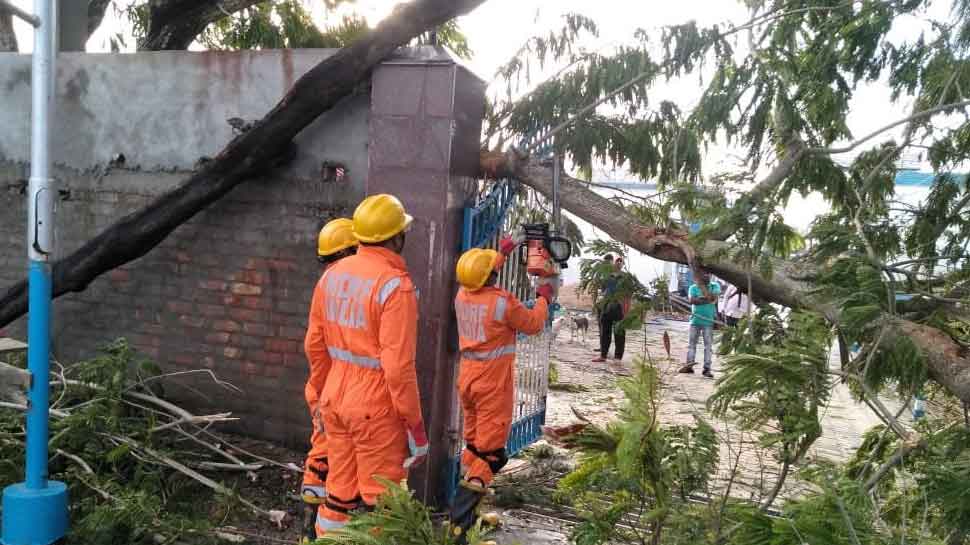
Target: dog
{"type": "Point", "coordinates": [578, 325]}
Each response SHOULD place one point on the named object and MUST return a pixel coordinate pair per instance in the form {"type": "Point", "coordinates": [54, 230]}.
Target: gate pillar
{"type": "Point", "coordinates": [424, 132]}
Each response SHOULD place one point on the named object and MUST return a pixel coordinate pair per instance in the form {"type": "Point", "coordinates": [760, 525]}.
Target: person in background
{"type": "Point", "coordinates": [734, 305]}
{"type": "Point", "coordinates": [703, 311]}
{"type": "Point", "coordinates": [335, 242]}
{"type": "Point", "coordinates": [614, 308]}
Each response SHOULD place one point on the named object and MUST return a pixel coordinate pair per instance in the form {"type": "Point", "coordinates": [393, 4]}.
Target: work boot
{"type": "Point", "coordinates": [469, 495]}
{"type": "Point", "coordinates": [687, 369]}
{"type": "Point", "coordinates": [707, 373]}
{"type": "Point", "coordinates": [309, 524]}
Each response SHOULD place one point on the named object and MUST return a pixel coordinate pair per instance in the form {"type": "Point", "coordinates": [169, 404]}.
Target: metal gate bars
{"type": "Point", "coordinates": [483, 225]}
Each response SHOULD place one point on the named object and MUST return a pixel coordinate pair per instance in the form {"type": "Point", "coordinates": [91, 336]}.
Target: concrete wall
{"type": "Point", "coordinates": [230, 289]}
{"type": "Point", "coordinates": [425, 129]}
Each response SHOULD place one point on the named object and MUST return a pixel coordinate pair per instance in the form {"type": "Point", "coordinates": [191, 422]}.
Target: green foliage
{"type": "Point", "coordinates": [636, 466]}
{"type": "Point", "coordinates": [398, 519]}
{"type": "Point", "coordinates": [124, 498]}
{"type": "Point", "coordinates": [278, 25]}
{"type": "Point", "coordinates": [777, 384]}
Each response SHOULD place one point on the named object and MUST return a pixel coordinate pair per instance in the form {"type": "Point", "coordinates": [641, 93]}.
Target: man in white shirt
{"type": "Point", "coordinates": [734, 305]}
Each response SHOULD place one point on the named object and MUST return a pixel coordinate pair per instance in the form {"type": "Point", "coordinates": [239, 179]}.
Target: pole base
{"type": "Point", "coordinates": [34, 517]}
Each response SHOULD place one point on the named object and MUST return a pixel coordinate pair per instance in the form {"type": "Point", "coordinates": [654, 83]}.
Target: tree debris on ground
{"type": "Point", "coordinates": [140, 468]}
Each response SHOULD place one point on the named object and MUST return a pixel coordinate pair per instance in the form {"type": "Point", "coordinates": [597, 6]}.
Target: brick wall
{"type": "Point", "coordinates": [228, 291]}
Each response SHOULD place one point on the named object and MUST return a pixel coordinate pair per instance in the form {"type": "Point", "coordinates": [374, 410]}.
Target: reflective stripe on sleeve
{"type": "Point", "coordinates": [488, 355]}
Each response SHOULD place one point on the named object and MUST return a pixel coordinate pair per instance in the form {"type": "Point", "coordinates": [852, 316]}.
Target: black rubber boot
{"type": "Point", "coordinates": [463, 512]}
{"type": "Point", "coordinates": [309, 523]}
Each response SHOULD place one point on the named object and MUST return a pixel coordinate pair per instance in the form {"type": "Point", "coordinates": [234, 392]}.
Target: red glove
{"type": "Point", "coordinates": [545, 291]}
{"type": "Point", "coordinates": [506, 245]}
{"type": "Point", "coordinates": [418, 445]}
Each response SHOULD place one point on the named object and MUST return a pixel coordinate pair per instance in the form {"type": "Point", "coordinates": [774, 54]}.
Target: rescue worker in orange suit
{"type": "Point", "coordinates": [336, 241]}
{"type": "Point", "coordinates": [488, 319]}
{"type": "Point", "coordinates": [370, 404]}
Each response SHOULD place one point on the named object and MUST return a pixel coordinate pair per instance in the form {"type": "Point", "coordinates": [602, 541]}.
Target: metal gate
{"type": "Point", "coordinates": [483, 225]}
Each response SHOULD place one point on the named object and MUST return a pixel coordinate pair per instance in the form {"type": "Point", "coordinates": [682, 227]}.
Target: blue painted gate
{"type": "Point", "coordinates": [483, 225]}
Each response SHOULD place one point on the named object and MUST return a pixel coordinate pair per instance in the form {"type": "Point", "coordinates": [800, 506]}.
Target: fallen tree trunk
{"type": "Point", "coordinates": [948, 363]}
{"type": "Point", "coordinates": [266, 144]}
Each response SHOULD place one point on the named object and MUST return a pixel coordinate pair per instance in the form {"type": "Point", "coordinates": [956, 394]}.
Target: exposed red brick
{"type": "Point", "coordinates": [153, 328]}
{"type": "Point", "coordinates": [257, 329]}
{"type": "Point", "coordinates": [213, 311]}
{"type": "Point", "coordinates": [119, 275]}
{"type": "Point", "coordinates": [252, 368]}
{"type": "Point", "coordinates": [208, 260]}
{"type": "Point", "coordinates": [257, 303]}
{"type": "Point", "coordinates": [281, 265]}
{"type": "Point", "coordinates": [183, 257]}
{"type": "Point", "coordinates": [232, 352]}
{"type": "Point", "coordinates": [282, 345]}
{"type": "Point", "coordinates": [246, 315]}
{"type": "Point", "coordinates": [255, 263]}
{"type": "Point", "coordinates": [272, 371]}
{"type": "Point", "coordinates": [150, 352]}
{"type": "Point", "coordinates": [140, 340]}
{"type": "Point", "coordinates": [209, 362]}
{"type": "Point", "coordinates": [226, 325]}
{"type": "Point", "coordinates": [293, 333]}
{"type": "Point", "coordinates": [192, 321]}
{"type": "Point", "coordinates": [240, 288]}
{"type": "Point", "coordinates": [180, 307]}
{"type": "Point", "coordinates": [185, 359]}
{"type": "Point", "coordinates": [252, 277]}
{"type": "Point", "coordinates": [216, 285]}
{"type": "Point", "coordinates": [217, 337]}
{"type": "Point", "coordinates": [294, 360]}
{"type": "Point", "coordinates": [270, 358]}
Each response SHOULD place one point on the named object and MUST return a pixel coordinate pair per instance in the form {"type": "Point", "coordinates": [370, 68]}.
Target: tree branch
{"type": "Point", "coordinates": [894, 124]}
{"type": "Point", "coordinates": [96, 13]}
{"type": "Point", "coordinates": [174, 24]}
{"type": "Point", "coordinates": [947, 361]}
{"type": "Point", "coordinates": [266, 144]}
{"type": "Point", "coordinates": [8, 39]}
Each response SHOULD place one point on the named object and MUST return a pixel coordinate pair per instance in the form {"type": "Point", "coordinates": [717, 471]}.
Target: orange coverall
{"type": "Point", "coordinates": [488, 320]}
{"type": "Point", "coordinates": [315, 346]}
{"type": "Point", "coordinates": [370, 399]}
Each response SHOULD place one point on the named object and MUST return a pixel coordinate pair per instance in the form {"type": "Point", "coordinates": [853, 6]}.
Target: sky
{"type": "Point", "coordinates": [498, 28]}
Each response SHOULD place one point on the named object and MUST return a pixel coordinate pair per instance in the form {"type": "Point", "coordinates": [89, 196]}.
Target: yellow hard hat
{"type": "Point", "coordinates": [380, 217]}
{"type": "Point", "coordinates": [474, 267]}
{"type": "Point", "coordinates": [336, 235]}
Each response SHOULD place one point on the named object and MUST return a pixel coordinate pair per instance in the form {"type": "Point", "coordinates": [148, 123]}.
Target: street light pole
{"type": "Point", "coordinates": [35, 511]}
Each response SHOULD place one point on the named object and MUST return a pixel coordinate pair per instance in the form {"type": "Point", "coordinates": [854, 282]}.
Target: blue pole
{"type": "Point", "coordinates": [38, 362]}
{"type": "Point", "coordinates": [35, 511]}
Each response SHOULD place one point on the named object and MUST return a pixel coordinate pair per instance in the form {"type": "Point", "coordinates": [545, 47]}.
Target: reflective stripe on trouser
{"type": "Point", "coordinates": [328, 521]}
{"type": "Point", "coordinates": [489, 355]}
{"type": "Point", "coordinates": [315, 470]}
{"type": "Point", "coordinates": [335, 513]}
{"type": "Point", "coordinates": [366, 442]}
{"type": "Point", "coordinates": [487, 400]}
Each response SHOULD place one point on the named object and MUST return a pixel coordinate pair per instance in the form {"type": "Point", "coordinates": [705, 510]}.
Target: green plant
{"type": "Point", "coordinates": [776, 384]}
{"type": "Point", "coordinates": [636, 466]}
{"type": "Point", "coordinates": [398, 519]}
{"type": "Point", "coordinates": [121, 448]}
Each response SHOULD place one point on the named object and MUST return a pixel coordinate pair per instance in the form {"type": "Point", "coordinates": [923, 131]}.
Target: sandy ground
{"type": "Point", "coordinates": [683, 398]}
